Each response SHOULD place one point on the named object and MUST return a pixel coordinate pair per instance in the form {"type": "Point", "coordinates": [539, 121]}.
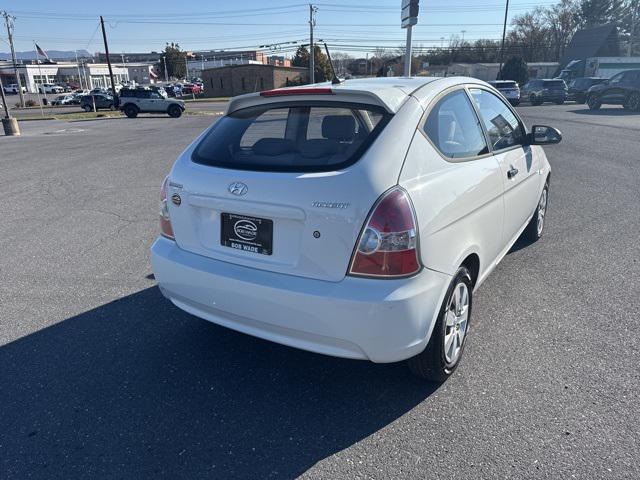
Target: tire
{"type": "Point", "coordinates": [536, 101]}
{"type": "Point", "coordinates": [438, 360]}
{"type": "Point", "coordinates": [535, 228]}
{"type": "Point", "coordinates": [131, 111]}
{"type": "Point", "coordinates": [559, 102]}
{"type": "Point", "coordinates": [174, 111]}
{"type": "Point", "coordinates": [87, 108]}
{"type": "Point", "coordinates": [112, 107]}
{"type": "Point", "coordinates": [593, 102]}
{"type": "Point", "coordinates": [632, 102]}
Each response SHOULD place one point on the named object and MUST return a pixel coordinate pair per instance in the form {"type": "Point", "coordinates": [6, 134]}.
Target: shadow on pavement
{"type": "Point", "coordinates": [618, 112]}
{"type": "Point", "coordinates": [138, 389]}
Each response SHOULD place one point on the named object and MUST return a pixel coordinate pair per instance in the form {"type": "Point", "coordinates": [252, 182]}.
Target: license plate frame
{"type": "Point", "coordinates": [246, 233]}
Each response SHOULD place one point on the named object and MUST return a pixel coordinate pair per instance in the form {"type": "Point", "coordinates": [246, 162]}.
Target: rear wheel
{"type": "Point", "coordinates": [594, 102]}
{"type": "Point", "coordinates": [535, 100]}
{"type": "Point", "coordinates": [131, 111]}
{"type": "Point", "coordinates": [443, 353]}
{"type": "Point", "coordinates": [87, 108]}
{"type": "Point", "coordinates": [174, 111]}
{"type": "Point", "coordinates": [632, 102]}
{"type": "Point", "coordinates": [536, 226]}
{"type": "Point", "coordinates": [559, 102]}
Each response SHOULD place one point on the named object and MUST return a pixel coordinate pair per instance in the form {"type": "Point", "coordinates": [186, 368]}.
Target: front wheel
{"type": "Point", "coordinates": [535, 228]}
{"type": "Point", "coordinates": [174, 111]}
{"type": "Point", "coordinates": [593, 102]}
{"type": "Point", "coordinates": [443, 352]}
{"type": "Point", "coordinates": [559, 102]}
{"type": "Point", "coordinates": [632, 102]}
{"type": "Point", "coordinates": [131, 111]}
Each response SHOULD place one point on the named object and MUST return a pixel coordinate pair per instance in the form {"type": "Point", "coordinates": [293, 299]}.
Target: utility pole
{"type": "Point", "coordinates": [9, 21]}
{"type": "Point", "coordinates": [106, 52]}
{"type": "Point", "coordinates": [312, 72]}
{"type": "Point", "coordinates": [9, 124]}
{"type": "Point", "coordinates": [504, 33]}
{"type": "Point", "coordinates": [634, 18]}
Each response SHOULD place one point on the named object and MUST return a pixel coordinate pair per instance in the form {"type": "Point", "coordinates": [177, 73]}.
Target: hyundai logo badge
{"type": "Point", "coordinates": [238, 188]}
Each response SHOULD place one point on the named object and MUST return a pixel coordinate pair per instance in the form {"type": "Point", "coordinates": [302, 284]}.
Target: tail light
{"type": "Point", "coordinates": [388, 244]}
{"type": "Point", "coordinates": [166, 230]}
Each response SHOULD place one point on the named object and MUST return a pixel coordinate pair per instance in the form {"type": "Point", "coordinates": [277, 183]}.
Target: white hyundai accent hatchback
{"type": "Point", "coordinates": [353, 220]}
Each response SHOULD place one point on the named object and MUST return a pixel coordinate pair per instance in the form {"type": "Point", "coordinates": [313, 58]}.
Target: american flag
{"type": "Point", "coordinates": [41, 52]}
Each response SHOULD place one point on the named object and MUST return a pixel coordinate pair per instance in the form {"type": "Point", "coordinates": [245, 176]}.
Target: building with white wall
{"type": "Point", "coordinates": [90, 75]}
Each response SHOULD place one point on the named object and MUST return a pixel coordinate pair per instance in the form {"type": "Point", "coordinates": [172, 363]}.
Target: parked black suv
{"type": "Point", "coordinates": [545, 90]}
{"type": "Point", "coordinates": [622, 89]}
{"type": "Point", "coordinates": [578, 88]}
{"type": "Point", "coordinates": [100, 100]}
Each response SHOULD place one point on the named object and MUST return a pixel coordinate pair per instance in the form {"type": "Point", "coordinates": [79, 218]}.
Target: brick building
{"type": "Point", "coordinates": [235, 80]}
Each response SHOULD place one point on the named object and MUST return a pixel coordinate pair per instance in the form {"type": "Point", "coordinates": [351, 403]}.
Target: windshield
{"type": "Point", "coordinates": [554, 84]}
{"type": "Point", "coordinates": [292, 137]}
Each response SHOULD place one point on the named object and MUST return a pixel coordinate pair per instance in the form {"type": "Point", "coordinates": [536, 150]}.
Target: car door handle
{"type": "Point", "coordinates": [512, 173]}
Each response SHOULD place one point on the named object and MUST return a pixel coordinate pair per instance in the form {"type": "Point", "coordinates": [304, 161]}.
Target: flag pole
{"type": "Point", "coordinates": [40, 72]}
{"type": "Point", "coordinates": [78, 67]}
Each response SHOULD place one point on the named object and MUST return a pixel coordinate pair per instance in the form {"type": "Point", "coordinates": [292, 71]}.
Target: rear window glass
{"type": "Point", "coordinates": [291, 137]}
{"type": "Point", "coordinates": [505, 85]}
{"type": "Point", "coordinates": [554, 84]}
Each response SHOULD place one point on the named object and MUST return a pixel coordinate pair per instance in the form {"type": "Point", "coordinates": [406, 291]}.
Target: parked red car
{"type": "Point", "coordinates": [189, 88]}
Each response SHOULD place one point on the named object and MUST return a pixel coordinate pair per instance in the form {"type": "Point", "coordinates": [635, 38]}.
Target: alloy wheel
{"type": "Point", "coordinates": [542, 210]}
{"type": "Point", "coordinates": [456, 321]}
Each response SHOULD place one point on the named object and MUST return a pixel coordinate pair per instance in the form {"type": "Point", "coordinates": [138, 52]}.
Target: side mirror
{"type": "Point", "coordinates": [543, 135]}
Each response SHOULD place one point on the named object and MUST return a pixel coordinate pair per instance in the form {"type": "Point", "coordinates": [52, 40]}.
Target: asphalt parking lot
{"type": "Point", "coordinates": [100, 377]}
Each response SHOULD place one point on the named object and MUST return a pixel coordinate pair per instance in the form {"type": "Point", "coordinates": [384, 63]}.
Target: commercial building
{"type": "Point", "coordinates": [238, 79]}
{"type": "Point", "coordinates": [88, 75]}
{"type": "Point", "coordinates": [489, 71]}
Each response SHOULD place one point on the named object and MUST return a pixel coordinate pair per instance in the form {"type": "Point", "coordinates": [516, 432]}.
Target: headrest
{"type": "Point", "coordinates": [272, 146]}
{"type": "Point", "coordinates": [319, 147]}
{"type": "Point", "coordinates": [339, 127]}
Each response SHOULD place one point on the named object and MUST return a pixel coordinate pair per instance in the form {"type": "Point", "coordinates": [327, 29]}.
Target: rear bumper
{"type": "Point", "coordinates": [378, 320]}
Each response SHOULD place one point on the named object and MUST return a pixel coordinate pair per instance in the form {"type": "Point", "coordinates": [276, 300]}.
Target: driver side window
{"type": "Point", "coordinates": [616, 79]}
{"type": "Point", "coordinates": [503, 127]}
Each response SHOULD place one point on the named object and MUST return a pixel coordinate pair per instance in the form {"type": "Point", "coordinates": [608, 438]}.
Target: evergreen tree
{"type": "Point", "coordinates": [322, 66]}
{"type": "Point", "coordinates": [515, 69]}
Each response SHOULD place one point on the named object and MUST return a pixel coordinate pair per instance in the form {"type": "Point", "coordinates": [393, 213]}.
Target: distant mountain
{"type": "Point", "coordinates": [53, 55]}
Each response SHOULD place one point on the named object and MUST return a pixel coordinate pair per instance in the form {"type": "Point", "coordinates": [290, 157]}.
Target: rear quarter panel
{"type": "Point", "coordinates": [458, 207]}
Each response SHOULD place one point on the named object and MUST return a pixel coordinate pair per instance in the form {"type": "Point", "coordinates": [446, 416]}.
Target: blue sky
{"type": "Point", "coordinates": [355, 26]}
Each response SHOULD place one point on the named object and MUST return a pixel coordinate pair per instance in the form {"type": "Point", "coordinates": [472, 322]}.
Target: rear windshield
{"type": "Point", "coordinates": [505, 84]}
{"type": "Point", "coordinates": [291, 137]}
{"type": "Point", "coordinates": [554, 84]}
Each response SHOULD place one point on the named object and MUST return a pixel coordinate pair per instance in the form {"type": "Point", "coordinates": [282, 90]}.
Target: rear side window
{"type": "Point", "coordinates": [452, 126]}
{"type": "Point", "coordinates": [554, 84]}
{"type": "Point", "coordinates": [292, 137]}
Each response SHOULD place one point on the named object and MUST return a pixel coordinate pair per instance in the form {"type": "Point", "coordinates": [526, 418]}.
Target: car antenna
{"type": "Point", "coordinates": [335, 80]}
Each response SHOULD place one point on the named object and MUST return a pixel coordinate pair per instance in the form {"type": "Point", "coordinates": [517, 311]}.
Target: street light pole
{"type": "Point", "coordinates": [164, 60]}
